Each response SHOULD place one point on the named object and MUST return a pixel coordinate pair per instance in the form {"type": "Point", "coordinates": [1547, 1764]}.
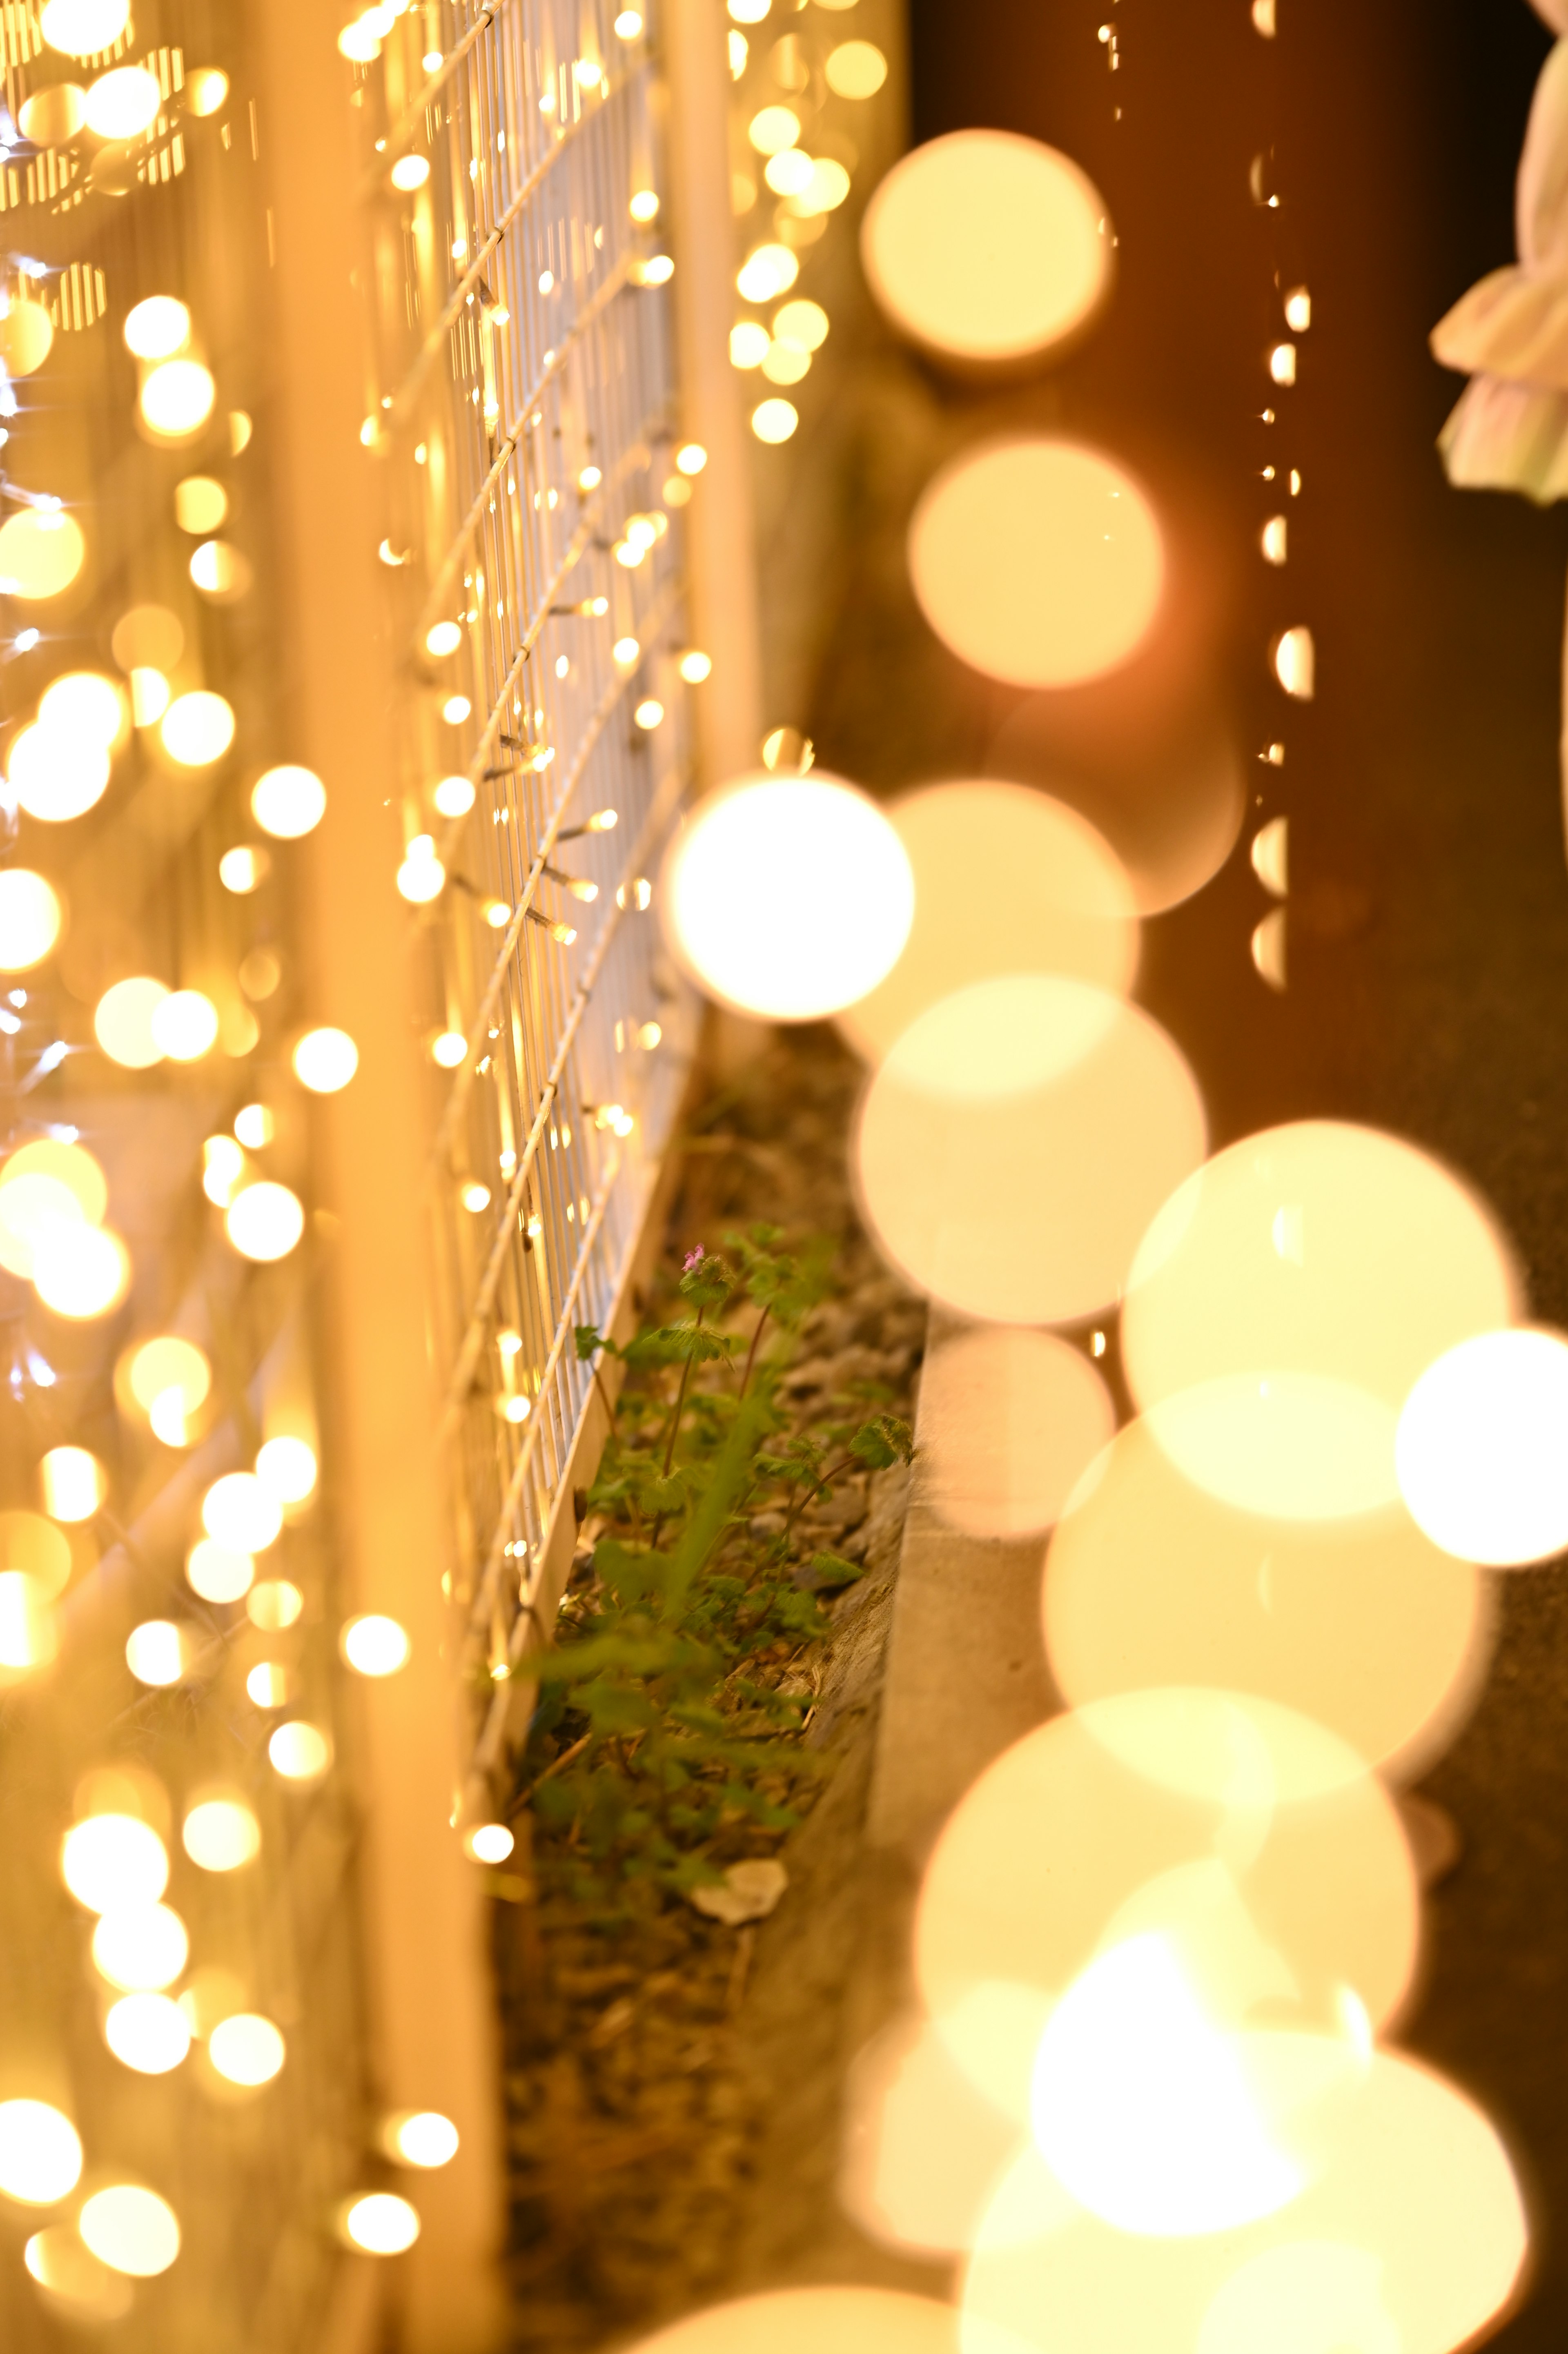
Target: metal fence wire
{"type": "Point", "coordinates": [533, 498]}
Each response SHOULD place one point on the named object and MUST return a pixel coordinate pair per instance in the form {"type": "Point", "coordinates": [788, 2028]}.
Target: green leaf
{"type": "Point", "coordinates": [882, 1442]}
{"type": "Point", "coordinates": [828, 1573]}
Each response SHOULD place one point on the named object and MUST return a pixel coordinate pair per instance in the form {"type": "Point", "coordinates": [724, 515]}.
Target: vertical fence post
{"type": "Point", "coordinates": [423, 1913]}
{"type": "Point", "coordinates": [721, 526]}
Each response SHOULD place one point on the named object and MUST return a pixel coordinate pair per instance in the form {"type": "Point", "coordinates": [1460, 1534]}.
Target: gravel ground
{"type": "Point", "coordinates": [673, 2085]}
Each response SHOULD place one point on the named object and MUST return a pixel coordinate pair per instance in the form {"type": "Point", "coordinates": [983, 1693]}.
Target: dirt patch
{"type": "Point", "coordinates": [672, 2083]}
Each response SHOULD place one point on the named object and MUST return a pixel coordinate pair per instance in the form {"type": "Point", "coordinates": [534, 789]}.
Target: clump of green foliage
{"type": "Point", "coordinates": [663, 1747]}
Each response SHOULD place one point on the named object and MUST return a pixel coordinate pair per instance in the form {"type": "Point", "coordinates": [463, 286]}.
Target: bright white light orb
{"type": "Point", "coordinates": [241, 1511]}
{"type": "Point", "coordinates": [221, 1834]}
{"type": "Point", "coordinates": [84, 28]}
{"type": "Point", "coordinates": [176, 398]}
{"type": "Point", "coordinates": [382, 2224]}
{"type": "Point", "coordinates": [141, 1948]}
{"type": "Point", "coordinates": [40, 2153]}
{"type": "Point", "coordinates": [54, 776]}
{"type": "Point", "coordinates": [289, 801]}
{"type": "Point", "coordinates": [375, 1645]}
{"type": "Point", "coordinates": [490, 1843]}
{"type": "Point", "coordinates": [82, 1272]}
{"type": "Point", "coordinates": [422, 2137]}
{"type": "Point", "coordinates": [121, 103]}
{"type": "Point", "coordinates": [789, 897]}
{"type": "Point", "coordinates": [325, 1060]}
{"type": "Point", "coordinates": [197, 729]}
{"type": "Point", "coordinates": [185, 1025]}
{"type": "Point", "coordinates": [148, 2033]}
{"type": "Point", "coordinates": [131, 2229]}
{"type": "Point", "coordinates": [299, 1752]}
{"type": "Point", "coordinates": [265, 1222]}
{"type": "Point", "coordinates": [112, 1860]}
{"type": "Point", "coordinates": [219, 1572]}
{"type": "Point", "coordinates": [287, 1469]}
{"type": "Point", "coordinates": [246, 2048]}
{"type": "Point", "coordinates": [30, 916]}
{"type": "Point", "coordinates": [1481, 1450]}
{"type": "Point", "coordinates": [157, 328]}
{"type": "Point", "coordinates": [155, 1653]}
{"type": "Point", "coordinates": [41, 552]}
{"type": "Point", "coordinates": [454, 797]}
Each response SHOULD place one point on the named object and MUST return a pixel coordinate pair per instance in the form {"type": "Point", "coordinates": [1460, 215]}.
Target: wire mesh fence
{"type": "Point", "coordinates": [529, 426]}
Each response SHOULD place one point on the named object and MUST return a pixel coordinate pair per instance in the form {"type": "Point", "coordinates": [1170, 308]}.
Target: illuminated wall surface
{"type": "Point", "coordinates": [191, 2125]}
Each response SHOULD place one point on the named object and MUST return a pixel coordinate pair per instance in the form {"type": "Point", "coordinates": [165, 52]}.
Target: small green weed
{"type": "Point", "coordinates": [663, 1747]}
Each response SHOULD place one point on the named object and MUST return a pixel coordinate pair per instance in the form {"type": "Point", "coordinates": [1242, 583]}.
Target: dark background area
{"type": "Point", "coordinates": [1428, 910]}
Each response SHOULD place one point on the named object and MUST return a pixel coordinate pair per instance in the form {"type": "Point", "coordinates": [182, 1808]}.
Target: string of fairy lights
{"type": "Point", "coordinates": [166, 1625]}
{"type": "Point", "coordinates": [795, 151]}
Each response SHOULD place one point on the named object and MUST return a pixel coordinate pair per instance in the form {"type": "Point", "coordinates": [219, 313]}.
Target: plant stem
{"type": "Point", "coordinates": [680, 1402]}
{"type": "Point", "coordinates": [751, 1353]}
{"type": "Point", "coordinates": [606, 1402]}
{"type": "Point", "coordinates": [819, 1487]}
{"type": "Point", "coordinates": [556, 1764]}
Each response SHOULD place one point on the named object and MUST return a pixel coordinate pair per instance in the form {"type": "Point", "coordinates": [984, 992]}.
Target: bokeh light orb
{"type": "Point", "coordinates": [325, 1060]}
{"type": "Point", "coordinates": [34, 1205]}
{"type": "Point", "coordinates": [147, 2032]}
{"type": "Point", "coordinates": [185, 1025]}
{"type": "Point", "coordinates": [1007, 880]}
{"type": "Point", "coordinates": [30, 919]}
{"type": "Point", "coordinates": [246, 2048]}
{"type": "Point", "coordinates": [288, 801]}
{"type": "Point", "coordinates": [1010, 1421]}
{"type": "Point", "coordinates": [1255, 1836]}
{"type": "Point", "coordinates": [81, 28]}
{"type": "Point", "coordinates": [221, 1834]}
{"type": "Point", "coordinates": [1038, 561]}
{"type": "Point", "coordinates": [986, 249]}
{"type": "Point", "coordinates": [239, 1511]}
{"type": "Point", "coordinates": [825, 2320]}
{"type": "Point", "coordinates": [375, 1645]}
{"type": "Point", "coordinates": [1010, 1148]}
{"type": "Point", "coordinates": [155, 1653]}
{"type": "Point", "coordinates": [131, 2229]}
{"type": "Point", "coordinates": [176, 398]}
{"type": "Point", "coordinates": [1286, 1298]}
{"type": "Point", "coordinates": [27, 337]}
{"type": "Point", "coordinates": [110, 1861]}
{"type": "Point", "coordinates": [422, 2137]}
{"type": "Point", "coordinates": [40, 2153]}
{"type": "Point", "coordinates": [1411, 2240]}
{"type": "Point", "coordinates": [140, 1948]}
{"type": "Point", "coordinates": [1359, 1623]}
{"type": "Point", "coordinates": [197, 729]}
{"type": "Point", "coordinates": [41, 552]}
{"type": "Point", "coordinates": [299, 1752]}
{"type": "Point", "coordinates": [80, 1272]}
{"type": "Point", "coordinates": [56, 776]}
{"type": "Point", "coordinates": [788, 897]}
{"type": "Point", "coordinates": [923, 2149]}
{"type": "Point", "coordinates": [1481, 1450]}
{"type": "Point", "coordinates": [123, 1021]}
{"type": "Point", "coordinates": [219, 1572]}
{"type": "Point", "coordinates": [265, 1220]}
{"type": "Point", "coordinates": [123, 103]}
{"type": "Point", "coordinates": [381, 2223]}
